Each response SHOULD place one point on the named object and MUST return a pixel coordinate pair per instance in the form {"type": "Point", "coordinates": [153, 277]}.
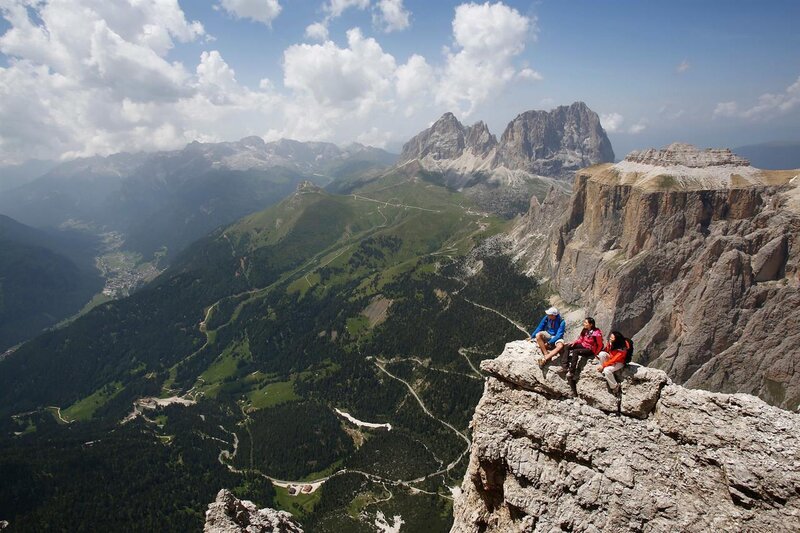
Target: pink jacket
{"type": "Point", "coordinates": [591, 339]}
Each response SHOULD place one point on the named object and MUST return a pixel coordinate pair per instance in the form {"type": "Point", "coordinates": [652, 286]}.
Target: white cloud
{"type": "Point", "coordinates": [317, 31]}
{"type": "Point", "coordinates": [359, 74]}
{"type": "Point", "coordinates": [683, 67]}
{"type": "Point", "coordinates": [415, 78]}
{"type": "Point", "coordinates": [87, 77]}
{"type": "Point", "coordinates": [529, 74]}
{"type": "Point", "coordinates": [335, 8]}
{"type": "Point", "coordinates": [669, 111]}
{"type": "Point", "coordinates": [639, 127]}
{"type": "Point", "coordinates": [488, 37]}
{"type": "Point", "coordinates": [726, 109]}
{"type": "Point", "coordinates": [612, 122]}
{"type": "Point", "coordinates": [375, 137]}
{"type": "Point", "coordinates": [767, 106]}
{"type": "Point", "coordinates": [264, 11]}
{"type": "Point", "coordinates": [391, 15]}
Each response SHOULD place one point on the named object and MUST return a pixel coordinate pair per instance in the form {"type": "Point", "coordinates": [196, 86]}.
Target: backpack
{"type": "Point", "coordinates": [629, 355]}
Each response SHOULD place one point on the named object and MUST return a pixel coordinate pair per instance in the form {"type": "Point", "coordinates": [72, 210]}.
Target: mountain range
{"type": "Point", "coordinates": [538, 149]}
{"type": "Point", "coordinates": [169, 199]}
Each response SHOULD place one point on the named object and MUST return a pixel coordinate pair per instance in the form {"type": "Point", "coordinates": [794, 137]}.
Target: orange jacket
{"type": "Point", "coordinates": [615, 356]}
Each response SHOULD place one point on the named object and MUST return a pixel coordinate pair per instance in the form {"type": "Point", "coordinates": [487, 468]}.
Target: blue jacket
{"type": "Point", "coordinates": [554, 327]}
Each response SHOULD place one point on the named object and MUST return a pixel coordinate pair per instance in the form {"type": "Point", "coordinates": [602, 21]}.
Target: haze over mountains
{"type": "Point", "coordinates": [169, 199]}
{"type": "Point", "coordinates": [44, 277]}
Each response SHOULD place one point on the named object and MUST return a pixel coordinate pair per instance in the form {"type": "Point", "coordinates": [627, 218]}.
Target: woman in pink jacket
{"type": "Point", "coordinates": [588, 344]}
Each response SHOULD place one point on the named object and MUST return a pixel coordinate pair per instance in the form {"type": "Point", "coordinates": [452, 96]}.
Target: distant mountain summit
{"type": "Point", "coordinates": [554, 143]}
{"type": "Point", "coordinates": [544, 143]}
{"type": "Point", "coordinates": [536, 148]}
{"type": "Point", "coordinates": [687, 155]}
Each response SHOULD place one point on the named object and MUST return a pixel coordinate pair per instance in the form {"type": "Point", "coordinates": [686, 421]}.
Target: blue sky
{"type": "Point", "coordinates": [83, 77]}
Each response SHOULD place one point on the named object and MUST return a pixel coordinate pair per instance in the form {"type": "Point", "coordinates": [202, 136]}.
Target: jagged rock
{"type": "Point", "coordinates": [554, 143]}
{"type": "Point", "coordinates": [681, 154]}
{"type": "Point", "coordinates": [538, 150]}
{"type": "Point", "coordinates": [228, 514]}
{"type": "Point", "coordinates": [769, 261]}
{"type": "Point", "coordinates": [700, 265]}
{"type": "Point", "coordinates": [641, 385]}
{"type": "Point", "coordinates": [699, 461]}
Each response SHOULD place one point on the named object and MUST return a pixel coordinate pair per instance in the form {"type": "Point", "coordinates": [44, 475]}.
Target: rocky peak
{"type": "Point", "coordinates": [479, 139]}
{"type": "Point", "coordinates": [542, 143]}
{"type": "Point", "coordinates": [307, 186]}
{"type": "Point", "coordinates": [253, 142]}
{"type": "Point", "coordinates": [549, 457]}
{"type": "Point", "coordinates": [687, 155]}
{"type": "Point", "coordinates": [555, 143]}
{"type": "Point", "coordinates": [228, 514]}
{"type": "Point", "coordinates": [445, 139]}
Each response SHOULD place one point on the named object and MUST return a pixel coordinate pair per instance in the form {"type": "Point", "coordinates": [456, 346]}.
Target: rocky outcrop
{"type": "Point", "coordinates": [538, 149]}
{"type": "Point", "coordinates": [546, 457]}
{"type": "Point", "coordinates": [555, 143]}
{"type": "Point", "coordinates": [228, 514]}
{"type": "Point", "coordinates": [687, 155]}
{"type": "Point", "coordinates": [699, 265]}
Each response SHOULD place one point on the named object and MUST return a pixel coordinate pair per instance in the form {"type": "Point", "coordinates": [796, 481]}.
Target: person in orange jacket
{"type": "Point", "coordinates": [612, 358]}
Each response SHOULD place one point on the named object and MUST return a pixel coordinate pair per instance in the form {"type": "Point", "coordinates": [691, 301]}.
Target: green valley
{"type": "Point", "coordinates": [328, 342]}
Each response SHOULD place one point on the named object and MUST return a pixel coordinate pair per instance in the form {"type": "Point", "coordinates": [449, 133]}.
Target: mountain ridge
{"type": "Point", "coordinates": [538, 149]}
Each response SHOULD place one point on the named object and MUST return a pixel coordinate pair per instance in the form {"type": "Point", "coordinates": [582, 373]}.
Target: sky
{"type": "Point", "coordinates": [94, 77]}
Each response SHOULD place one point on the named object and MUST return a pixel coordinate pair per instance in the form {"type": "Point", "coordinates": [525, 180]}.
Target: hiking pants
{"type": "Point", "coordinates": [608, 371]}
{"type": "Point", "coordinates": [572, 353]}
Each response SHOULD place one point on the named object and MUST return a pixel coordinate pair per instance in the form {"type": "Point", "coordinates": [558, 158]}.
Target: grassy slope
{"type": "Point", "coordinates": [284, 285]}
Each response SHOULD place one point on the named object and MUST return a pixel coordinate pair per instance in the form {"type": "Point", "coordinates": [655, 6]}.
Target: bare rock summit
{"type": "Point", "coordinates": [682, 154]}
{"type": "Point", "coordinates": [538, 149]}
{"type": "Point", "coordinates": [658, 458]}
{"type": "Point", "coordinates": [228, 514]}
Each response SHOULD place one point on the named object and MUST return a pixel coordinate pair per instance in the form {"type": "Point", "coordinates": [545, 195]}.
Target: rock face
{"type": "Point", "coordinates": [538, 149]}
{"type": "Point", "coordinates": [546, 457]}
{"type": "Point", "coordinates": [228, 514]}
{"type": "Point", "coordinates": [555, 143]}
{"type": "Point", "coordinates": [698, 264]}
{"type": "Point", "coordinates": [687, 155]}
{"type": "Point", "coordinates": [447, 139]}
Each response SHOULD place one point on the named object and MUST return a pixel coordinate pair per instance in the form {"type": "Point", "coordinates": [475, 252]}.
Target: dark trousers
{"type": "Point", "coordinates": [570, 355]}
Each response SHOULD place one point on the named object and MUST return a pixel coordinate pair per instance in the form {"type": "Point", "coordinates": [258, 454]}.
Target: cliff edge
{"type": "Point", "coordinates": [659, 457]}
{"type": "Point", "coordinates": [694, 253]}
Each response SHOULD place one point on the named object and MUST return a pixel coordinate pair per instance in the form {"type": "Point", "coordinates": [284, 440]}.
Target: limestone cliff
{"type": "Point", "coordinates": [228, 514]}
{"type": "Point", "coordinates": [692, 252]}
{"type": "Point", "coordinates": [546, 457]}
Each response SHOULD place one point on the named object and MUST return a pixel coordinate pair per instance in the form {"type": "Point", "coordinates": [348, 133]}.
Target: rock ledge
{"type": "Point", "coordinates": [548, 458]}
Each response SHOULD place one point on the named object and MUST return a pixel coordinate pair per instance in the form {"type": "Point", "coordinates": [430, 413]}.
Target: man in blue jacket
{"type": "Point", "coordinates": [549, 334]}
